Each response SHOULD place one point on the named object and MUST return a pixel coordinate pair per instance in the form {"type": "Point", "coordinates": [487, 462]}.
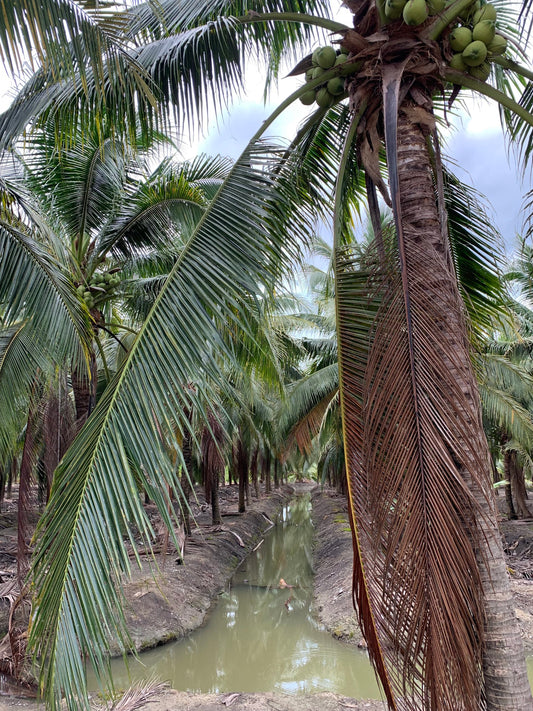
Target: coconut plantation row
{"type": "Point", "coordinates": [332, 305]}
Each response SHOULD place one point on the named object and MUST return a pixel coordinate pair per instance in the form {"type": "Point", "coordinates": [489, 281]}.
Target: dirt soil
{"type": "Point", "coordinates": [179, 600]}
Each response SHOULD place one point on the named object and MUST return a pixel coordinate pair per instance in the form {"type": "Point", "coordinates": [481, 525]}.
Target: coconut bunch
{"type": "Point", "coordinates": [475, 41]}
{"type": "Point", "coordinates": [325, 94]}
{"type": "Point", "coordinates": [99, 288]}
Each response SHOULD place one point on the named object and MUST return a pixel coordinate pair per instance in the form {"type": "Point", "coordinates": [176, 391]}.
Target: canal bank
{"type": "Point", "coordinates": [332, 562]}
{"type": "Point", "coordinates": [329, 520]}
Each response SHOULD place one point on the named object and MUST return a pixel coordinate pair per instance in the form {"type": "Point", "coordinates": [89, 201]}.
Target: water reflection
{"type": "Point", "coordinates": [262, 637]}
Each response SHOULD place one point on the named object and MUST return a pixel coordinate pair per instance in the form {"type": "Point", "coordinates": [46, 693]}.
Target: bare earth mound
{"type": "Point", "coordinates": [180, 599]}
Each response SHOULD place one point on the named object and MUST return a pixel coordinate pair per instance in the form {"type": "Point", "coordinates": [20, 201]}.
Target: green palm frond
{"type": "Point", "coordinates": [306, 403]}
{"type": "Point", "coordinates": [34, 287]}
{"type": "Point", "coordinates": [20, 359]}
{"type": "Point", "coordinates": [230, 254]}
{"type": "Point", "coordinates": [272, 40]}
{"type": "Point", "coordinates": [81, 183]}
{"type": "Point", "coordinates": [171, 201]}
{"type": "Point", "coordinates": [509, 376]}
{"type": "Point", "coordinates": [478, 254]}
{"type": "Point", "coordinates": [72, 40]}
{"type": "Point", "coordinates": [504, 411]}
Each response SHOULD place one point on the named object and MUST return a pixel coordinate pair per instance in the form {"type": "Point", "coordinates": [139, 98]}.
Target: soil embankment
{"type": "Point", "coordinates": [176, 602]}
{"type": "Point", "coordinates": [179, 600]}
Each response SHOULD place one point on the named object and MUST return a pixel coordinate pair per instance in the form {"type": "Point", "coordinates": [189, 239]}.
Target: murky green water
{"type": "Point", "coordinates": [261, 637]}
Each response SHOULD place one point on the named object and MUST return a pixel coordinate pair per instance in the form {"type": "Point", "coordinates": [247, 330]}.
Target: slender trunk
{"type": "Point", "coordinates": [508, 488]}
{"type": "Point", "coordinates": [185, 481]}
{"type": "Point", "coordinates": [267, 462]}
{"type": "Point", "coordinates": [27, 463]}
{"type": "Point", "coordinates": [216, 518]}
{"type": "Point", "coordinates": [518, 486]}
{"type": "Point", "coordinates": [242, 469]}
{"type": "Point", "coordinates": [11, 476]}
{"type": "Point", "coordinates": [253, 468]}
{"type": "Point", "coordinates": [276, 473]}
{"type": "Point", "coordinates": [3, 480]}
{"type": "Point", "coordinates": [84, 388]}
{"type": "Point", "coordinates": [506, 684]}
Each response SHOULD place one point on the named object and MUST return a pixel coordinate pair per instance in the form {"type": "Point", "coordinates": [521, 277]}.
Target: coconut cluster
{"type": "Point", "coordinates": [98, 289]}
{"type": "Point", "coordinates": [325, 94]}
{"type": "Point", "coordinates": [475, 41]}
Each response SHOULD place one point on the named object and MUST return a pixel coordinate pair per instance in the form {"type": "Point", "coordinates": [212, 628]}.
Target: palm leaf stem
{"type": "Point", "coordinates": [487, 90]}
{"type": "Point", "coordinates": [102, 356]}
{"type": "Point", "coordinates": [324, 22]}
{"type": "Point", "coordinates": [373, 208]}
{"type": "Point", "coordinates": [514, 66]}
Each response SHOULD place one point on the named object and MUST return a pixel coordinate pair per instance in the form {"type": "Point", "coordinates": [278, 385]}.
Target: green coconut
{"type": "Point", "coordinates": [460, 38]}
{"type": "Point", "coordinates": [323, 98]}
{"type": "Point", "coordinates": [484, 30]}
{"type": "Point", "coordinates": [498, 45]}
{"type": "Point", "coordinates": [317, 72]}
{"type": "Point", "coordinates": [485, 12]}
{"type": "Point", "coordinates": [436, 6]}
{"type": "Point", "coordinates": [335, 86]}
{"type": "Point", "coordinates": [481, 72]}
{"type": "Point", "coordinates": [341, 59]}
{"type": "Point", "coordinates": [394, 8]}
{"type": "Point", "coordinates": [415, 12]}
{"type": "Point", "coordinates": [309, 74]}
{"type": "Point", "coordinates": [326, 57]}
{"type": "Point", "coordinates": [308, 98]}
{"type": "Point", "coordinates": [457, 62]}
{"type": "Point", "coordinates": [470, 10]}
{"type": "Point", "coordinates": [475, 54]}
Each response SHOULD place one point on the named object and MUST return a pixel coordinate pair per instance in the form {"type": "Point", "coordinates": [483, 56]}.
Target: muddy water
{"type": "Point", "coordinates": [262, 635]}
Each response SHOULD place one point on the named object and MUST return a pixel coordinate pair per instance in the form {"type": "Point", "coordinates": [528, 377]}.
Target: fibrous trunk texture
{"type": "Point", "coordinates": [430, 575]}
{"type": "Point", "coordinates": [442, 331]}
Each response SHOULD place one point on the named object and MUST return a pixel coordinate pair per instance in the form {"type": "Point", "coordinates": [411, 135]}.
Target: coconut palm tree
{"type": "Point", "coordinates": [435, 607]}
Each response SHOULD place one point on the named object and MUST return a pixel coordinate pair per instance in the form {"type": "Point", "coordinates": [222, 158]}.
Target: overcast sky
{"type": "Point", "coordinates": [477, 147]}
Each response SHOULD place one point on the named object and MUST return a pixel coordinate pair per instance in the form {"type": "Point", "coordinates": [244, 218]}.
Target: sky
{"type": "Point", "coordinates": [477, 147]}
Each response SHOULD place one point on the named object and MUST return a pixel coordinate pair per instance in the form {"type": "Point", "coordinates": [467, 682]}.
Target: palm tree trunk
{"type": "Point", "coordinates": [253, 468]}
{"type": "Point", "coordinates": [518, 486]}
{"type": "Point", "coordinates": [216, 517]}
{"type": "Point", "coordinates": [242, 470]}
{"type": "Point", "coordinates": [84, 388]}
{"type": "Point", "coordinates": [429, 260]}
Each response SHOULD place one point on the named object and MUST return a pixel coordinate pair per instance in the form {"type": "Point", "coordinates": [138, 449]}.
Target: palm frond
{"type": "Point", "coordinates": [229, 255]}
{"type": "Point", "coordinates": [305, 405]}
{"type": "Point", "coordinates": [477, 248]}
{"type": "Point", "coordinates": [72, 40]}
{"type": "Point", "coordinates": [273, 41]}
{"type": "Point", "coordinates": [20, 359]}
{"type": "Point", "coordinates": [34, 287]}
